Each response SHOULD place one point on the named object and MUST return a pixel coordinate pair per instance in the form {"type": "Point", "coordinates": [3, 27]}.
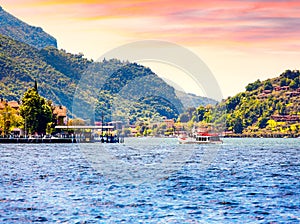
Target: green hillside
{"type": "Point", "coordinates": [266, 108]}
{"type": "Point", "coordinates": [58, 74]}
{"type": "Point", "coordinates": [21, 64]}
{"type": "Point", "coordinates": [120, 90]}
{"type": "Point", "coordinates": [133, 92]}
{"type": "Point", "coordinates": [128, 91]}
{"type": "Point", "coordinates": [11, 26]}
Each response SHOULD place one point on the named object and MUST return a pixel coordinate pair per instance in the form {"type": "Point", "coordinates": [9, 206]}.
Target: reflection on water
{"type": "Point", "coordinates": [252, 180]}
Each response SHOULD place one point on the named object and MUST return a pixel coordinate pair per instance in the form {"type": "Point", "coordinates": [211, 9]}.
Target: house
{"type": "Point", "coordinates": [294, 93]}
{"type": "Point", "coordinates": [290, 118]}
{"type": "Point", "coordinates": [60, 114]}
{"type": "Point", "coordinates": [267, 91]}
{"type": "Point", "coordinates": [3, 103]}
{"type": "Point", "coordinates": [285, 88]}
{"type": "Point", "coordinates": [169, 122]}
{"type": "Point", "coordinates": [262, 96]}
{"type": "Point", "coordinates": [12, 104]}
{"type": "Point", "coordinates": [277, 88]}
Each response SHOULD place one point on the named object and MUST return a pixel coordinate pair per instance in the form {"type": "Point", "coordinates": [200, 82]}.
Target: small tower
{"type": "Point", "coordinates": [36, 86]}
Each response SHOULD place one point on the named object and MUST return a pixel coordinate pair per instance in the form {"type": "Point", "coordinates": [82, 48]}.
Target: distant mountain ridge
{"type": "Point", "coordinates": [11, 26]}
{"type": "Point", "coordinates": [192, 100]}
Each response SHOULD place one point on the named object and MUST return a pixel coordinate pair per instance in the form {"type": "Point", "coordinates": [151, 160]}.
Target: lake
{"type": "Point", "coordinates": [149, 180]}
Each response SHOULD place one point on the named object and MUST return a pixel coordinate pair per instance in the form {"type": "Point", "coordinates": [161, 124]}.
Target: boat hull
{"type": "Point", "coordinates": [201, 140]}
{"type": "Point", "coordinates": [192, 141]}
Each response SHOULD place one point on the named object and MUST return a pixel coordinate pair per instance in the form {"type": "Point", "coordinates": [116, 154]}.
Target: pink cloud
{"type": "Point", "coordinates": [247, 21]}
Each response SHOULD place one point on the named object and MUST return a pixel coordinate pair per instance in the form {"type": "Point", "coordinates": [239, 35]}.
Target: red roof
{"type": "Point", "coordinates": [207, 134]}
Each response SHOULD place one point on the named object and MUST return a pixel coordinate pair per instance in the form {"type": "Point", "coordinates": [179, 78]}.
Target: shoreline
{"type": "Point", "coordinates": [74, 140]}
{"type": "Point", "coordinates": [263, 135]}
{"type": "Point", "coordinates": [57, 140]}
{"type": "Point", "coordinates": [36, 140]}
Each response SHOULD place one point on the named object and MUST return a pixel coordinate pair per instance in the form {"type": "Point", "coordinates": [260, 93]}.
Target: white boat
{"type": "Point", "coordinates": [200, 138]}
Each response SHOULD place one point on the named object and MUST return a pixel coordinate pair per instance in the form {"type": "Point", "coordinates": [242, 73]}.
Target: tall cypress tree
{"type": "Point", "coordinates": [36, 86]}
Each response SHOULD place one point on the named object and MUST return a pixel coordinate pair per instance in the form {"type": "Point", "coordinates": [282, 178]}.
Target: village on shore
{"type": "Point", "coordinates": [266, 109]}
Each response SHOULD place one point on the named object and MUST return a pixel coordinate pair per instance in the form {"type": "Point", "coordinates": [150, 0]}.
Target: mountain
{"type": "Point", "coordinates": [64, 78]}
{"type": "Point", "coordinates": [134, 92]}
{"type": "Point", "coordinates": [11, 26]}
{"type": "Point", "coordinates": [192, 100]}
{"type": "Point", "coordinates": [129, 90]}
{"type": "Point", "coordinates": [266, 108]}
{"type": "Point", "coordinates": [21, 64]}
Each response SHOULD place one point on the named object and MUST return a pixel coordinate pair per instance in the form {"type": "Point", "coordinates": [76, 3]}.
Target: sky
{"type": "Point", "coordinates": [239, 41]}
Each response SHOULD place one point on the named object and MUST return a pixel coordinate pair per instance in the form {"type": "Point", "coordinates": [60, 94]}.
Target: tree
{"type": "Point", "coordinates": [253, 86]}
{"type": "Point", "coordinates": [268, 85]}
{"type": "Point", "coordinates": [35, 111]}
{"type": "Point", "coordinates": [200, 112]}
{"type": "Point", "coordinates": [232, 102]}
{"type": "Point", "coordinates": [238, 126]}
{"type": "Point", "coordinates": [9, 119]}
{"type": "Point", "coordinates": [191, 111]}
{"type": "Point", "coordinates": [293, 85]}
{"type": "Point", "coordinates": [263, 122]}
{"type": "Point", "coordinates": [126, 132]}
{"type": "Point", "coordinates": [290, 74]}
{"type": "Point", "coordinates": [76, 122]}
{"type": "Point", "coordinates": [283, 82]}
{"type": "Point", "coordinates": [282, 109]}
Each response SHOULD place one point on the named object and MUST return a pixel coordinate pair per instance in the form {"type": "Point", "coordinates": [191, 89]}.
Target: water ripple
{"type": "Point", "coordinates": [251, 180]}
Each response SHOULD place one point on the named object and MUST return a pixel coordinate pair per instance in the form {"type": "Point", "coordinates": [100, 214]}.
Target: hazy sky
{"type": "Point", "coordinates": [240, 41]}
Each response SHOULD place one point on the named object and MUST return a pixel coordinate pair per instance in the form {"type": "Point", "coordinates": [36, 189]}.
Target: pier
{"type": "Point", "coordinates": [82, 134]}
{"type": "Point", "coordinates": [37, 140]}
{"type": "Point", "coordinates": [87, 133]}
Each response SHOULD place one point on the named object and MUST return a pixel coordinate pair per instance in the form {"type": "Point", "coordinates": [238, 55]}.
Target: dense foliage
{"type": "Point", "coordinates": [12, 27]}
{"type": "Point", "coordinates": [36, 112]}
{"type": "Point", "coordinates": [134, 92]}
{"type": "Point", "coordinates": [69, 79]}
{"type": "Point", "coordinates": [250, 112]}
{"type": "Point", "coordinates": [21, 64]}
{"type": "Point", "coordinates": [9, 119]}
{"type": "Point", "coordinates": [62, 75]}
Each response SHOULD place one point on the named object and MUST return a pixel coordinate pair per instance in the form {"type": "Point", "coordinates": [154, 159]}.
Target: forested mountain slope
{"type": "Point", "coordinates": [11, 26]}
{"type": "Point", "coordinates": [266, 107]}
{"type": "Point", "coordinates": [59, 73]}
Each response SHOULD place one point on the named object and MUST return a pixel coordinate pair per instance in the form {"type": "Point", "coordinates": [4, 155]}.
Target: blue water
{"type": "Point", "coordinates": [248, 181]}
